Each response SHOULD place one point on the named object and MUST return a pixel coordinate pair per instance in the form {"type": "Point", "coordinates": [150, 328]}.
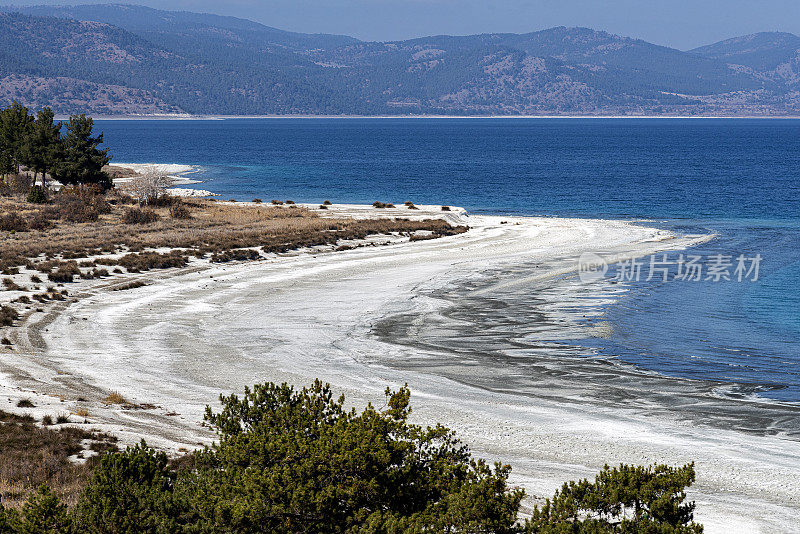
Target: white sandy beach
{"type": "Point", "coordinates": [190, 335]}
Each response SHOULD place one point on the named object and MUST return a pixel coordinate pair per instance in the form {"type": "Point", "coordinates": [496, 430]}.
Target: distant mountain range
{"type": "Point", "coordinates": [130, 60]}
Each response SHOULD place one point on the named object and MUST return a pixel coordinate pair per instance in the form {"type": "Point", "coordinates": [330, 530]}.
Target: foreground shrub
{"type": "Point", "coordinates": [139, 216]}
{"type": "Point", "coordinates": [37, 195]}
{"type": "Point", "coordinates": [298, 461]}
{"type": "Point", "coordinates": [624, 499]}
{"type": "Point", "coordinates": [8, 315]}
{"type": "Point", "coordinates": [129, 492]}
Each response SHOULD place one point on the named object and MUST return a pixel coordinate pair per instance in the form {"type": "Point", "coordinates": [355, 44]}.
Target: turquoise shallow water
{"type": "Point", "coordinates": [737, 178]}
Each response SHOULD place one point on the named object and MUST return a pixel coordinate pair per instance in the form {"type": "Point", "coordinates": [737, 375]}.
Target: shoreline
{"type": "Point", "coordinates": [297, 318]}
{"type": "Point", "coordinates": [314, 314]}
{"type": "Point", "coordinates": [482, 117]}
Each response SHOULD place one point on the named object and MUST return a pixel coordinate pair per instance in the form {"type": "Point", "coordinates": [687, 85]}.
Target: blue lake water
{"type": "Point", "coordinates": [737, 178]}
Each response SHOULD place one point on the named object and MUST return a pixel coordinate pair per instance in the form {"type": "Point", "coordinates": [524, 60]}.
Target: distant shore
{"type": "Point", "coordinates": [566, 117]}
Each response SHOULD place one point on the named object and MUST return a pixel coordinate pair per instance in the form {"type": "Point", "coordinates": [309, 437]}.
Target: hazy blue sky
{"type": "Point", "coordinates": [679, 23]}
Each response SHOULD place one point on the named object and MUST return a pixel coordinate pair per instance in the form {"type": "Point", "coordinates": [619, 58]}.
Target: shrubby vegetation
{"type": "Point", "coordinates": [299, 461]}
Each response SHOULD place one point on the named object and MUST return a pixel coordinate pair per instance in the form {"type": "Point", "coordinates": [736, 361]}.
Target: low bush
{"type": "Point", "coordinates": [8, 315]}
{"type": "Point", "coordinates": [327, 202]}
{"type": "Point", "coordinates": [130, 285]}
{"type": "Point", "coordinates": [323, 207]}
{"type": "Point", "coordinates": [290, 202]}
{"type": "Point", "coordinates": [144, 261]}
{"type": "Point", "coordinates": [235, 255]}
{"type": "Point", "coordinates": [139, 216]}
{"type": "Point", "coordinates": [277, 202]}
{"type": "Point", "coordinates": [257, 201]}
{"type": "Point", "coordinates": [25, 403]}
{"type": "Point", "coordinates": [10, 285]}
{"type": "Point", "coordinates": [37, 195]}
{"type": "Point", "coordinates": [445, 208]}
{"type": "Point", "coordinates": [15, 185]}
{"type": "Point", "coordinates": [5, 341]}
{"type": "Point", "coordinates": [65, 273]}
{"type": "Point", "coordinates": [178, 210]}
{"type": "Point", "coordinates": [12, 222]}
{"type": "Point", "coordinates": [378, 204]}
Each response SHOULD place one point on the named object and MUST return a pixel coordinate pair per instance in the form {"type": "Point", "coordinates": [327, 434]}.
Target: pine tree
{"type": "Point", "coordinates": [82, 161]}
{"type": "Point", "coordinates": [43, 513]}
{"type": "Point", "coordinates": [15, 126]}
{"type": "Point", "coordinates": [42, 147]}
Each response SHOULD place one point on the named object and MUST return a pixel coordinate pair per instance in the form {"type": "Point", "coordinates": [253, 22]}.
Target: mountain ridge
{"type": "Point", "coordinates": [166, 62]}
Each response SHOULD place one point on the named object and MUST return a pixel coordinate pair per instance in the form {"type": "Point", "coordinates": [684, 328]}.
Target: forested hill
{"type": "Point", "coordinates": [119, 59]}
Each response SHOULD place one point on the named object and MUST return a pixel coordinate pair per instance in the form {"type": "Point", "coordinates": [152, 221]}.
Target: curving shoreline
{"type": "Point", "coordinates": [192, 334]}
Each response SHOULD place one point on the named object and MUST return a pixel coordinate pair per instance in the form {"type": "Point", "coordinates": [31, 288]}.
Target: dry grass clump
{"type": "Point", "coordinates": [327, 203]}
{"type": "Point", "coordinates": [235, 255]}
{"type": "Point", "coordinates": [10, 285]}
{"type": "Point", "coordinates": [12, 222]}
{"type": "Point", "coordinates": [178, 210]}
{"type": "Point", "coordinates": [131, 285]}
{"type": "Point", "coordinates": [114, 398]}
{"type": "Point", "coordinates": [34, 456]}
{"type": "Point", "coordinates": [25, 403]}
{"type": "Point", "coordinates": [445, 208]}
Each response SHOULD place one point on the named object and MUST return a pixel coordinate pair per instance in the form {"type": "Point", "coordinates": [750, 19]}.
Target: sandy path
{"type": "Point", "coordinates": [179, 343]}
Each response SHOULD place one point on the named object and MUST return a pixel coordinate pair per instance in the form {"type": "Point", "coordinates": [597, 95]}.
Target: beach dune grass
{"type": "Point", "coordinates": [114, 398]}
{"type": "Point", "coordinates": [33, 456]}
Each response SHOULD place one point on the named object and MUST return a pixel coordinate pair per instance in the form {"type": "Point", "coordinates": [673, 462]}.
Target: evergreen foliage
{"type": "Point", "coordinates": [83, 161]}
{"type": "Point", "coordinates": [15, 127]}
{"type": "Point", "coordinates": [37, 144]}
{"type": "Point", "coordinates": [299, 461]}
{"type": "Point", "coordinates": [42, 148]}
{"type": "Point", "coordinates": [624, 499]}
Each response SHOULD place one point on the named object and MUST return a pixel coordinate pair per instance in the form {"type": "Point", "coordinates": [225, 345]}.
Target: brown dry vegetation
{"type": "Point", "coordinates": [32, 456]}
{"type": "Point", "coordinates": [53, 235]}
